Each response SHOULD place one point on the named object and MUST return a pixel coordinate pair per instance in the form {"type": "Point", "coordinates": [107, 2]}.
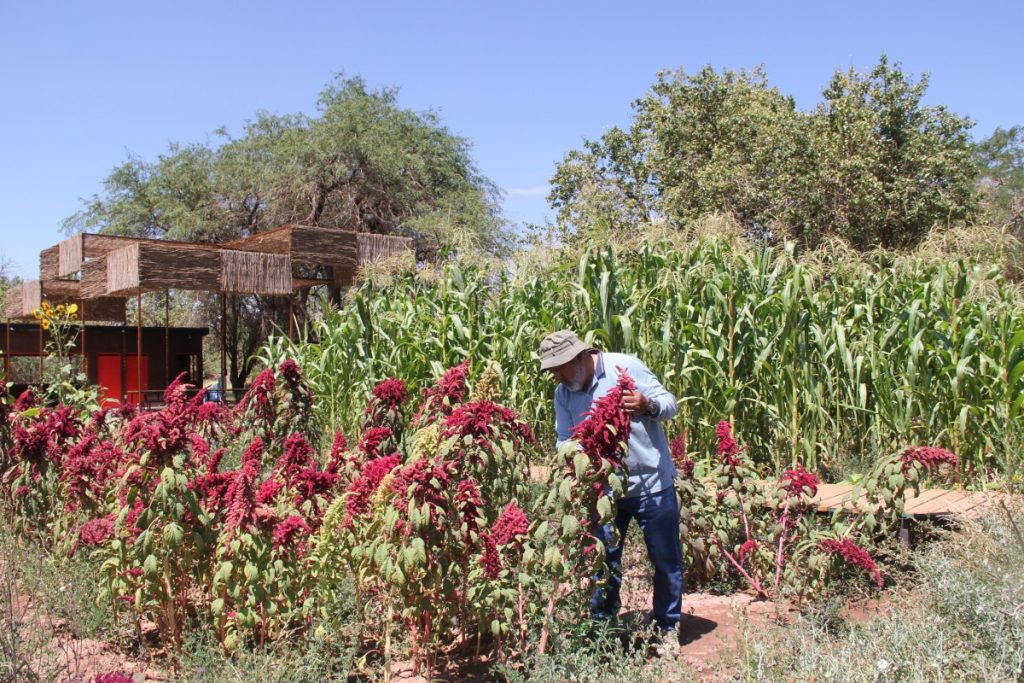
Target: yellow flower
{"type": "Point", "coordinates": [60, 309]}
{"type": "Point", "coordinates": [72, 309]}
{"type": "Point", "coordinates": [38, 314]}
{"type": "Point", "coordinates": [47, 309]}
{"type": "Point", "coordinates": [45, 324]}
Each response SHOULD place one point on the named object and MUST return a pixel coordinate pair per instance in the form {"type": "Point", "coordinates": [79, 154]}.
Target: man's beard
{"type": "Point", "coordinates": [578, 377]}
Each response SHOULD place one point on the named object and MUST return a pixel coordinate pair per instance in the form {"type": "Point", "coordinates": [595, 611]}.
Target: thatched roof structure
{"type": "Point", "coordinates": [104, 269]}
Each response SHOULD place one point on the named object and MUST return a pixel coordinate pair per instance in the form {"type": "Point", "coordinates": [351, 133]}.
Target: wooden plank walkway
{"type": "Point", "coordinates": [929, 503]}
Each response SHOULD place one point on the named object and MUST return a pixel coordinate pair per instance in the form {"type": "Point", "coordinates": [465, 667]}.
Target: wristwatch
{"type": "Point", "coordinates": [652, 408]}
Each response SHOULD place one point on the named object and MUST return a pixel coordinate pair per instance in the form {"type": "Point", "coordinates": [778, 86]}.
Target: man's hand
{"type": "Point", "coordinates": [634, 403]}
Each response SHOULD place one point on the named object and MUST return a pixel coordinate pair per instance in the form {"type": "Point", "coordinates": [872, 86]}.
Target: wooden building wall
{"type": "Point", "coordinates": [166, 352]}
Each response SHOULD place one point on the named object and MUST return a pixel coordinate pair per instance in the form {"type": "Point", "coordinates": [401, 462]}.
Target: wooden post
{"type": "Point", "coordinates": [81, 339]}
{"type": "Point", "coordinates": [41, 357]}
{"type": "Point", "coordinates": [223, 350]}
{"type": "Point", "coordinates": [124, 364]}
{"type": "Point", "coordinates": [167, 337]}
{"type": "Point", "coordinates": [138, 346]}
{"type": "Point", "coordinates": [7, 350]}
{"type": "Point", "coordinates": [291, 316]}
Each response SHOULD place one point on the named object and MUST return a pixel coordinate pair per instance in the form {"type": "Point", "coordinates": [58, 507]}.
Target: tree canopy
{"type": "Point", "coordinates": [871, 163]}
{"type": "Point", "coordinates": [362, 163]}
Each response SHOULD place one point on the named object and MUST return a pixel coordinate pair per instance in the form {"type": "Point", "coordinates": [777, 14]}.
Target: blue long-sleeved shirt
{"type": "Point", "coordinates": [649, 463]}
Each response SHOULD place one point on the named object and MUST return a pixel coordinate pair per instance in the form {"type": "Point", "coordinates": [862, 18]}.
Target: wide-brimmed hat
{"type": "Point", "coordinates": [558, 348]}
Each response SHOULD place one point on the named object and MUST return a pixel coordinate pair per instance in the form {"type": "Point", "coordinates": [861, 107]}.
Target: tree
{"type": "Point", "coordinates": [362, 163]}
{"type": "Point", "coordinates": [1000, 158]}
{"type": "Point", "coordinates": [871, 164]}
{"type": "Point", "coordinates": [888, 167]}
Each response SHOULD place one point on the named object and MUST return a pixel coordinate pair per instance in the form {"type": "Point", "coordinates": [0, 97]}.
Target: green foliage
{"type": "Point", "coordinates": [961, 621]}
{"type": "Point", "coordinates": [823, 365]}
{"type": "Point", "coordinates": [1001, 160]}
{"type": "Point", "coordinates": [871, 164]}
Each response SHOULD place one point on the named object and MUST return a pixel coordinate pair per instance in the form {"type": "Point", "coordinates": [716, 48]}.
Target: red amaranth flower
{"type": "Point", "coordinates": [798, 482]}
{"type": "Point", "coordinates": [468, 502]}
{"type": "Point", "coordinates": [254, 453]}
{"type": "Point", "coordinates": [490, 559]}
{"type": "Point", "coordinates": [267, 494]}
{"type": "Point", "coordinates": [259, 397]}
{"type": "Point", "coordinates": [286, 531]}
{"type": "Point", "coordinates": [424, 481]}
{"type": "Point", "coordinates": [339, 446]}
{"type": "Point", "coordinates": [371, 440]}
{"type": "Point", "coordinates": [442, 398]}
{"type": "Point", "coordinates": [928, 457]}
{"type": "Point", "coordinates": [311, 482]}
{"type": "Point", "coordinates": [363, 487]}
{"type": "Point", "coordinates": [112, 677]}
{"type": "Point", "coordinates": [684, 464]}
{"type": "Point", "coordinates": [747, 549]}
{"type": "Point", "coordinates": [480, 420]}
{"type": "Point", "coordinates": [604, 434]}
{"type": "Point", "coordinates": [96, 531]}
{"type": "Point", "coordinates": [728, 449]}
{"type": "Point", "coordinates": [297, 456]}
{"type": "Point", "coordinates": [241, 493]}
{"type": "Point", "coordinates": [511, 525]}
{"type": "Point", "coordinates": [25, 401]}
{"type": "Point", "coordinates": [289, 370]}
{"type": "Point", "coordinates": [391, 393]}
{"type": "Point", "coordinates": [852, 554]}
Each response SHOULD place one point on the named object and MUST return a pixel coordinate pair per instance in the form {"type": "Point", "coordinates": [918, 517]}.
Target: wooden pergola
{"type": "Point", "coordinates": [101, 272]}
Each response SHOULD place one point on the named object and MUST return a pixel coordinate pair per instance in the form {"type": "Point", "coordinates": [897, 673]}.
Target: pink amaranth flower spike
{"type": "Point", "coordinates": [112, 677]}
{"type": "Point", "coordinates": [728, 449]}
{"type": "Point", "coordinates": [604, 434]}
{"type": "Point", "coordinates": [798, 482]}
{"type": "Point", "coordinates": [480, 418]}
{"type": "Point", "coordinates": [747, 549]}
{"type": "Point", "coordinates": [511, 525]}
{"type": "Point", "coordinates": [96, 531]}
{"type": "Point", "coordinates": [289, 370]}
{"type": "Point", "coordinates": [260, 394]}
{"type": "Point", "coordinates": [468, 502]}
{"type": "Point", "coordinates": [490, 559]}
{"type": "Point", "coordinates": [363, 487]}
{"type": "Point", "coordinates": [370, 441]}
{"type": "Point", "coordinates": [286, 531]}
{"type": "Point", "coordinates": [442, 398]}
{"type": "Point", "coordinates": [853, 555]}
{"type": "Point", "coordinates": [391, 393]}
{"type": "Point", "coordinates": [928, 457]}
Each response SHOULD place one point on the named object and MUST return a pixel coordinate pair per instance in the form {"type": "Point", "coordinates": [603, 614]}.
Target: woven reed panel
{"type": "Point", "coordinates": [70, 255]}
{"type": "Point", "coordinates": [48, 265]}
{"type": "Point", "coordinates": [323, 247]}
{"type": "Point", "coordinates": [253, 272]}
{"type": "Point", "coordinates": [12, 305]}
{"type": "Point", "coordinates": [94, 278]}
{"type": "Point", "coordinates": [153, 265]}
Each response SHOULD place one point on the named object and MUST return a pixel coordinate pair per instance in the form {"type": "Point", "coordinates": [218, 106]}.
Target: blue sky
{"type": "Point", "coordinates": [86, 83]}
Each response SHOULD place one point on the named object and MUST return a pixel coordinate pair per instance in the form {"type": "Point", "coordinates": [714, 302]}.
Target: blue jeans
{"type": "Point", "coordinates": [658, 517]}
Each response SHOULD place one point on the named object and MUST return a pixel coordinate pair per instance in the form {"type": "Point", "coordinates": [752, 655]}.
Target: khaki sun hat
{"type": "Point", "coordinates": [558, 348]}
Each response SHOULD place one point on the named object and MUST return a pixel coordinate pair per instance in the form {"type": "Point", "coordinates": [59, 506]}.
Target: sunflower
{"type": "Point", "coordinates": [45, 324]}
{"type": "Point", "coordinates": [38, 314]}
{"type": "Point", "coordinates": [72, 309]}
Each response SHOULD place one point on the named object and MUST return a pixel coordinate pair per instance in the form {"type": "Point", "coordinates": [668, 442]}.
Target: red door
{"type": "Point", "coordinates": [108, 376]}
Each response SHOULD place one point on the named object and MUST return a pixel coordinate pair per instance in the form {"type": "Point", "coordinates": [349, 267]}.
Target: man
{"type": "Point", "coordinates": [584, 374]}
